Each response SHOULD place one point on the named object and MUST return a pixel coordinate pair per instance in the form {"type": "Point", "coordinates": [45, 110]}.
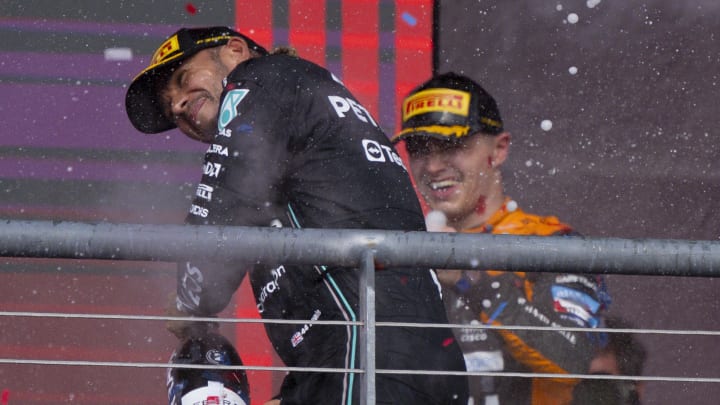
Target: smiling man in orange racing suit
{"type": "Point", "coordinates": [456, 144]}
{"type": "Point", "coordinates": [289, 145]}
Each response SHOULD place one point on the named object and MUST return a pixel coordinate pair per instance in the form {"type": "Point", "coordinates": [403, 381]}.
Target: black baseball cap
{"type": "Point", "coordinates": [449, 106]}
{"type": "Point", "coordinates": [141, 104]}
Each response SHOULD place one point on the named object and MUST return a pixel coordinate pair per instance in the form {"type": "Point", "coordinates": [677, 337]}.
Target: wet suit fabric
{"type": "Point", "coordinates": [525, 299]}
{"type": "Point", "coordinates": [294, 148]}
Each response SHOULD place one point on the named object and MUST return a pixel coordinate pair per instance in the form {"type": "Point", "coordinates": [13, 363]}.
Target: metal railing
{"type": "Point", "coordinates": [364, 249]}
{"type": "Point", "coordinates": [349, 247]}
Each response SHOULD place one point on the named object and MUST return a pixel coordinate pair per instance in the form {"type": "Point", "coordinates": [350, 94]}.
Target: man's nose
{"type": "Point", "coordinates": [434, 162]}
{"type": "Point", "coordinates": [178, 104]}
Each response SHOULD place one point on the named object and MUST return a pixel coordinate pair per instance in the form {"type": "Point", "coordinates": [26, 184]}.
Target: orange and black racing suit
{"type": "Point", "coordinates": [525, 299]}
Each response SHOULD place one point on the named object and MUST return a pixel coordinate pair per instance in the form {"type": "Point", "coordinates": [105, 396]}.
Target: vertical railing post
{"type": "Point", "coordinates": [367, 333]}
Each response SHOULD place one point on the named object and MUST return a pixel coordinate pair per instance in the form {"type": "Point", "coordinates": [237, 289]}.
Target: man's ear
{"type": "Point", "coordinates": [502, 148]}
{"type": "Point", "coordinates": [235, 51]}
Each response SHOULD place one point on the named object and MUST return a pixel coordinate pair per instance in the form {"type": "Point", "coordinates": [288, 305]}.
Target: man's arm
{"type": "Point", "coordinates": [205, 290]}
{"type": "Point", "coordinates": [240, 186]}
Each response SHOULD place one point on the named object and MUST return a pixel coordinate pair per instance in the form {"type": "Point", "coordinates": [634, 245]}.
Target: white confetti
{"type": "Point", "coordinates": [435, 221]}
{"type": "Point", "coordinates": [573, 70]}
{"type": "Point", "coordinates": [118, 54]}
{"type": "Point", "coordinates": [546, 125]}
{"type": "Point", "coordinates": [572, 18]}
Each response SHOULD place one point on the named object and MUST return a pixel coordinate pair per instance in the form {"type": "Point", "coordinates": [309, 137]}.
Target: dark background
{"type": "Point", "coordinates": [633, 150]}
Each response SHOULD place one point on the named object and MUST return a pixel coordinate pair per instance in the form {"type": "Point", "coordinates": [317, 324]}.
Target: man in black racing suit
{"type": "Point", "coordinates": [290, 146]}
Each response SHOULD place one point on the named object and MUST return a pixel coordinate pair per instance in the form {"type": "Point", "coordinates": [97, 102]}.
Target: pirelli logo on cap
{"type": "Point", "coordinates": [436, 100]}
{"type": "Point", "coordinates": [168, 48]}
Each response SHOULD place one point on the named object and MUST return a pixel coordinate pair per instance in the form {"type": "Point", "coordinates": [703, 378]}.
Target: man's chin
{"type": "Point", "coordinates": [199, 136]}
{"type": "Point", "coordinates": [206, 135]}
{"type": "Point", "coordinates": [452, 211]}
{"type": "Point", "coordinates": [207, 138]}
{"type": "Point", "coordinates": [446, 206]}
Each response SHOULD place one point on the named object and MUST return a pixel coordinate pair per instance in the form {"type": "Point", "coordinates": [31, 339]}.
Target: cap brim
{"type": "Point", "coordinates": [143, 108]}
{"type": "Point", "coordinates": [433, 131]}
{"type": "Point", "coordinates": [141, 101]}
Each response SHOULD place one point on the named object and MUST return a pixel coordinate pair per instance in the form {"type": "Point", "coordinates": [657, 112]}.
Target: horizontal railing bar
{"type": "Point", "coordinates": [173, 318]}
{"type": "Point", "coordinates": [171, 365]}
{"type": "Point", "coordinates": [344, 247]}
{"type": "Point", "coordinates": [695, 332]}
{"type": "Point", "coordinates": [353, 370]}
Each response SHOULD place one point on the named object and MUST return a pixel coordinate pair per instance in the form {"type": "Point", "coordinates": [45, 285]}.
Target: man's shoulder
{"type": "Point", "coordinates": [519, 222]}
{"type": "Point", "coordinates": [275, 68]}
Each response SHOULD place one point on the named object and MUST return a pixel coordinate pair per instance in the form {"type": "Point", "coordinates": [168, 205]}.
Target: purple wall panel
{"type": "Point", "coordinates": [88, 27]}
{"type": "Point", "coordinates": [77, 116]}
{"type": "Point", "coordinates": [81, 67]}
{"type": "Point", "coordinates": [58, 169]}
{"type": "Point", "coordinates": [68, 152]}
